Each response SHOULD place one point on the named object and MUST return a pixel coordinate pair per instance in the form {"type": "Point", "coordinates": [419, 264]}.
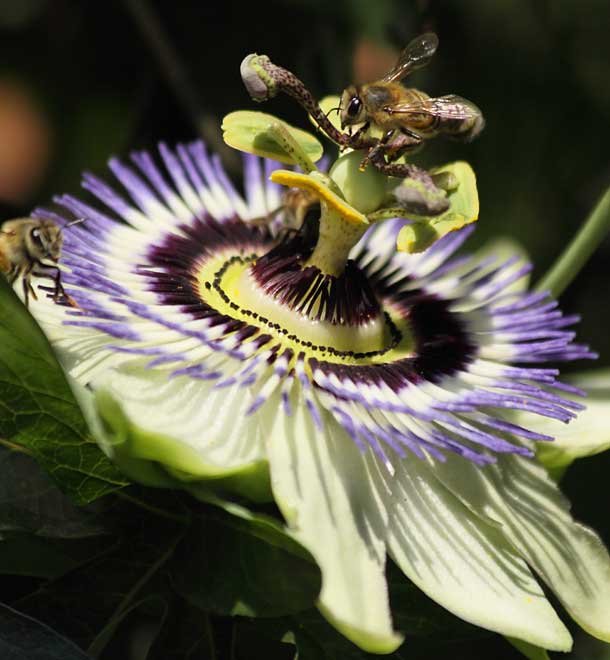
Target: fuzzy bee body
{"type": "Point", "coordinates": [28, 244]}
{"type": "Point", "coordinates": [390, 106]}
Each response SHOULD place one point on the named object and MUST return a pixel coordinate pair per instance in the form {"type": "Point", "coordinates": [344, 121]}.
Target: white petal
{"type": "Point", "coordinates": [464, 563]}
{"type": "Point", "coordinates": [328, 493]}
{"type": "Point", "coordinates": [586, 435]}
{"type": "Point", "coordinates": [206, 427]}
{"type": "Point", "coordinates": [519, 494]}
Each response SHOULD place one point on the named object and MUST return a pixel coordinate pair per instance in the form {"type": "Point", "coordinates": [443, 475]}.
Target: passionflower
{"type": "Point", "coordinates": [366, 391]}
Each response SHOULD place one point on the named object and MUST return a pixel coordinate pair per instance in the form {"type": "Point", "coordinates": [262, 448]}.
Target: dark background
{"type": "Point", "coordinates": [80, 81]}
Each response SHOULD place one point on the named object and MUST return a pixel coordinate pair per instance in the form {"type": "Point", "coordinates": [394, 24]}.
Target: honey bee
{"type": "Point", "coordinates": [25, 245]}
{"type": "Point", "coordinates": [300, 211]}
{"type": "Point", "coordinates": [406, 116]}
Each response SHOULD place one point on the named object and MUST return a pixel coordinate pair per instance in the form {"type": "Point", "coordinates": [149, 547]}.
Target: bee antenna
{"type": "Point", "coordinates": [73, 222]}
{"type": "Point", "coordinates": [337, 110]}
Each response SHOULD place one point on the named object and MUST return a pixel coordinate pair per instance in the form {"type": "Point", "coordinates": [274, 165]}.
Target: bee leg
{"type": "Point", "coordinates": [13, 274]}
{"type": "Point", "coordinates": [360, 139]}
{"type": "Point", "coordinates": [261, 220]}
{"type": "Point", "coordinates": [402, 142]}
{"type": "Point", "coordinates": [360, 133]}
{"type": "Point", "coordinates": [377, 151]}
{"type": "Point", "coordinates": [27, 290]}
{"type": "Point", "coordinates": [426, 199]}
{"type": "Point", "coordinates": [391, 147]}
{"type": "Point", "coordinates": [343, 147]}
{"type": "Point", "coordinates": [58, 291]}
{"type": "Point", "coordinates": [26, 283]}
{"type": "Point", "coordinates": [400, 170]}
{"type": "Point", "coordinates": [32, 291]}
{"type": "Point", "coordinates": [373, 156]}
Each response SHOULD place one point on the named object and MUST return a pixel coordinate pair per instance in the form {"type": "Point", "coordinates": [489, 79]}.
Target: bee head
{"type": "Point", "coordinates": [352, 107]}
{"type": "Point", "coordinates": [43, 240]}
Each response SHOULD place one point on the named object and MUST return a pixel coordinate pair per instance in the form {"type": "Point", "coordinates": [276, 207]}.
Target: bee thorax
{"type": "Point", "coordinates": [376, 97]}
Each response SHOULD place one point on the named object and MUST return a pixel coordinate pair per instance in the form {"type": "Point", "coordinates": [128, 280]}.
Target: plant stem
{"type": "Point", "coordinates": [574, 257]}
{"type": "Point", "coordinates": [105, 635]}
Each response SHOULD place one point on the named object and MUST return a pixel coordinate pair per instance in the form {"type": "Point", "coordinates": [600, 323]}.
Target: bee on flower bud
{"type": "Point", "coordinates": [406, 116]}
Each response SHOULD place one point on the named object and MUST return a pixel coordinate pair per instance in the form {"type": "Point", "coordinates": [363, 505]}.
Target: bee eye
{"type": "Point", "coordinates": [35, 236]}
{"type": "Point", "coordinates": [354, 107]}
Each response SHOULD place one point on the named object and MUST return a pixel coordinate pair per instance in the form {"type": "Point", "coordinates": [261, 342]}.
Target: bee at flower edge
{"type": "Point", "coordinates": [406, 116]}
{"type": "Point", "coordinates": [26, 247]}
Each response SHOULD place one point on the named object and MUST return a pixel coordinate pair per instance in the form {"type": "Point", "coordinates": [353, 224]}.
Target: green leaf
{"type": "Point", "coordinates": [38, 411]}
{"type": "Point", "coordinates": [31, 502]}
{"type": "Point", "coordinates": [24, 638]}
{"type": "Point", "coordinates": [233, 566]}
{"type": "Point", "coordinates": [152, 606]}
{"type": "Point", "coordinates": [261, 526]}
{"type": "Point", "coordinates": [249, 131]}
{"type": "Point", "coordinates": [185, 634]}
{"type": "Point", "coordinates": [35, 556]}
{"type": "Point", "coordinates": [90, 602]}
{"type": "Point", "coordinates": [264, 638]}
{"type": "Point", "coordinates": [463, 210]}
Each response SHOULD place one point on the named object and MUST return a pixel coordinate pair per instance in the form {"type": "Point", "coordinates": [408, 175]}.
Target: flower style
{"type": "Point", "coordinates": [369, 400]}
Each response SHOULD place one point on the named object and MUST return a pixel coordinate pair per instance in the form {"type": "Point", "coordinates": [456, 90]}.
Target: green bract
{"type": "Point", "coordinates": [249, 131]}
{"type": "Point", "coordinates": [463, 210]}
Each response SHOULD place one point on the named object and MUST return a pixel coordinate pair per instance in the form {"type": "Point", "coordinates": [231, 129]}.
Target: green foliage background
{"type": "Point", "coordinates": [539, 69]}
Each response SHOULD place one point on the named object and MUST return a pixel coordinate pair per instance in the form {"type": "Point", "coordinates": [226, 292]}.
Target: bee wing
{"type": "Point", "coordinates": [416, 55]}
{"type": "Point", "coordinates": [444, 108]}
